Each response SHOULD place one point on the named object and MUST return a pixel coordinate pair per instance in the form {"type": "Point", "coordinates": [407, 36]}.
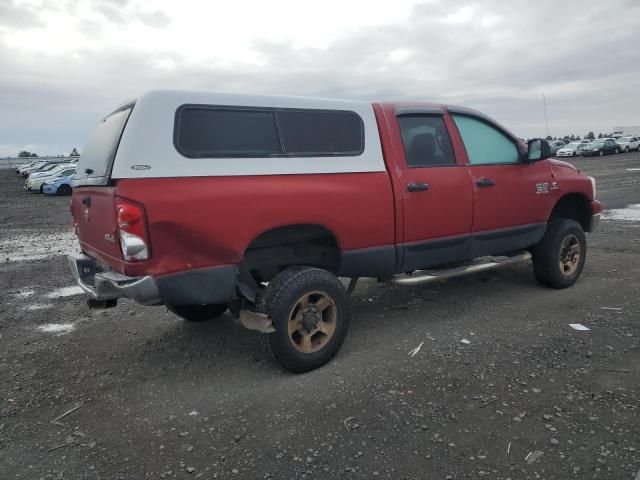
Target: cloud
{"type": "Point", "coordinates": [14, 16]}
{"type": "Point", "coordinates": [59, 78]}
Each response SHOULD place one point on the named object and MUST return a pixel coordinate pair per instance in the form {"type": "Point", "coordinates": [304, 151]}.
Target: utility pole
{"type": "Point", "coordinates": [546, 121]}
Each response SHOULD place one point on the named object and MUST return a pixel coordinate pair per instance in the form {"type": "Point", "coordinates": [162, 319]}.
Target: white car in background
{"type": "Point", "coordinates": [628, 143]}
{"type": "Point", "coordinates": [572, 149]}
{"type": "Point", "coordinates": [34, 184]}
{"type": "Point", "coordinates": [24, 169]}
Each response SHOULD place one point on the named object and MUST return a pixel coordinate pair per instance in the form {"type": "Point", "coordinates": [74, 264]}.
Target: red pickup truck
{"type": "Point", "coordinates": [204, 202]}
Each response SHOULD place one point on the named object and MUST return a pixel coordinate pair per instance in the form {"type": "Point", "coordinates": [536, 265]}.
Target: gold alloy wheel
{"type": "Point", "coordinates": [312, 321]}
{"type": "Point", "coordinates": [570, 252]}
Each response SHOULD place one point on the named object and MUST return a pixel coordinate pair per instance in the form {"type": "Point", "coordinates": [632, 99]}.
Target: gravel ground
{"type": "Point", "coordinates": [155, 397]}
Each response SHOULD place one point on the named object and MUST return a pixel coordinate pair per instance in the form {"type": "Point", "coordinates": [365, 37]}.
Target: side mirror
{"type": "Point", "coordinates": [538, 149]}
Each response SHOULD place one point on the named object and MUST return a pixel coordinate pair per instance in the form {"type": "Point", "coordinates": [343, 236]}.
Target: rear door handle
{"type": "Point", "coordinates": [86, 201]}
{"type": "Point", "coordinates": [418, 187]}
{"type": "Point", "coordinates": [485, 182]}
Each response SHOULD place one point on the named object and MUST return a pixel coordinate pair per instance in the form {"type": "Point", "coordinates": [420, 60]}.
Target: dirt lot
{"type": "Point", "coordinates": [161, 398]}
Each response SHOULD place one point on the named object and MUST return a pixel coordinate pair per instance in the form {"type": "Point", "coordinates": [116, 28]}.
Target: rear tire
{"type": "Point", "coordinates": [559, 258]}
{"type": "Point", "coordinates": [310, 311]}
{"type": "Point", "coordinates": [198, 313]}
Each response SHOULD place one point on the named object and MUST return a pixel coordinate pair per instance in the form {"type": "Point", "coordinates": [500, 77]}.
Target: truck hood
{"type": "Point", "coordinates": [560, 163]}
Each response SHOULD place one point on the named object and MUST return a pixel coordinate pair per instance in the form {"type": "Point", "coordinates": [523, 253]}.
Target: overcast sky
{"type": "Point", "coordinates": [66, 63]}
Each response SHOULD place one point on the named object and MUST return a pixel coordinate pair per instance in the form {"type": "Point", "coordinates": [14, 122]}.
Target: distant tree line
{"type": "Point", "coordinates": [573, 138]}
{"type": "Point", "coordinates": [25, 154]}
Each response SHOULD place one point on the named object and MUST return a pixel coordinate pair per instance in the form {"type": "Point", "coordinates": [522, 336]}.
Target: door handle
{"type": "Point", "coordinates": [418, 187]}
{"type": "Point", "coordinates": [485, 182]}
{"type": "Point", "coordinates": [86, 201]}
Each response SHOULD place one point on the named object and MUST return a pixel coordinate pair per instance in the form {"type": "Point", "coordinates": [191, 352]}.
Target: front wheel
{"type": "Point", "coordinates": [626, 150]}
{"type": "Point", "coordinates": [559, 257]}
{"type": "Point", "coordinates": [198, 313]}
{"type": "Point", "coordinates": [64, 189]}
{"type": "Point", "coordinates": [310, 311]}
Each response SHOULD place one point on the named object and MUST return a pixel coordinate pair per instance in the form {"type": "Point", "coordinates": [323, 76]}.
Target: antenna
{"type": "Point", "coordinates": [546, 121]}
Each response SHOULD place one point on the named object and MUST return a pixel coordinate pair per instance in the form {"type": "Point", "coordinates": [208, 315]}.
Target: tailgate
{"type": "Point", "coordinates": [94, 214]}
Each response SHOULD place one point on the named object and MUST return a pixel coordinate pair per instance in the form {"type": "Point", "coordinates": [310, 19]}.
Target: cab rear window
{"type": "Point", "coordinates": [209, 131]}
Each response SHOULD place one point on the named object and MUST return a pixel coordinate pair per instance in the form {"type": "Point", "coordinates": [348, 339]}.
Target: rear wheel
{"type": "Point", "coordinates": [310, 311]}
{"type": "Point", "coordinates": [626, 150]}
{"type": "Point", "coordinates": [559, 258]}
{"type": "Point", "coordinates": [198, 313]}
{"type": "Point", "coordinates": [64, 189]}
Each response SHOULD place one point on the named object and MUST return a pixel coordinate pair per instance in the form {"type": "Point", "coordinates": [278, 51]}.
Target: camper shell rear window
{"type": "Point", "coordinates": [202, 131]}
{"type": "Point", "coordinates": [96, 161]}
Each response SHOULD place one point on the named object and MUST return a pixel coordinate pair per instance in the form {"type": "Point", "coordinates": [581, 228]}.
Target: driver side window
{"type": "Point", "coordinates": [485, 144]}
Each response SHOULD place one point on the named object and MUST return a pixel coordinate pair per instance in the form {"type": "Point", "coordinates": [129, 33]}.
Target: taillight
{"type": "Point", "coordinates": [132, 230]}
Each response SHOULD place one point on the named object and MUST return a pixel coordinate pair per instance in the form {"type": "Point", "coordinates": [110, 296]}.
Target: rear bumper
{"type": "Point", "coordinates": [193, 287]}
{"type": "Point", "coordinates": [112, 285]}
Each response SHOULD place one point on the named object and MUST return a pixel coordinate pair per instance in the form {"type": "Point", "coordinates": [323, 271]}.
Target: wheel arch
{"type": "Point", "coordinates": [281, 247]}
{"type": "Point", "coordinates": [575, 206]}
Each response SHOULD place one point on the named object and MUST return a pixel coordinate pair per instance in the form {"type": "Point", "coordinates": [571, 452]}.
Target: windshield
{"type": "Point", "coordinates": [597, 142]}
{"type": "Point", "coordinates": [95, 162]}
{"type": "Point", "coordinates": [573, 144]}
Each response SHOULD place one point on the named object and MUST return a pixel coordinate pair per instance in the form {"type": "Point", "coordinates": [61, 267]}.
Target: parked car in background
{"type": "Point", "coordinates": [571, 149]}
{"type": "Point", "coordinates": [58, 186]}
{"type": "Point", "coordinates": [45, 167]}
{"type": "Point", "coordinates": [555, 146]}
{"type": "Point", "coordinates": [602, 146]}
{"type": "Point", "coordinates": [49, 170]}
{"type": "Point", "coordinates": [35, 184]}
{"type": "Point", "coordinates": [26, 165]}
{"type": "Point", "coordinates": [25, 169]}
{"type": "Point", "coordinates": [628, 143]}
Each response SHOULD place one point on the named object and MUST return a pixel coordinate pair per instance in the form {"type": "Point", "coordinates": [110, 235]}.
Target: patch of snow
{"type": "Point", "coordinates": [630, 213]}
{"type": "Point", "coordinates": [37, 246]}
{"type": "Point", "coordinates": [579, 327]}
{"type": "Point", "coordinates": [25, 293]}
{"type": "Point", "coordinates": [59, 328]}
{"type": "Point", "coordinates": [65, 292]}
{"type": "Point", "coordinates": [38, 306]}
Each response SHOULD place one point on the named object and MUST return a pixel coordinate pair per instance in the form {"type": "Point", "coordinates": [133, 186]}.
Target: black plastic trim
{"type": "Point", "coordinates": [369, 262]}
{"type": "Point", "coordinates": [199, 287]}
{"type": "Point", "coordinates": [408, 111]}
{"type": "Point", "coordinates": [436, 252]}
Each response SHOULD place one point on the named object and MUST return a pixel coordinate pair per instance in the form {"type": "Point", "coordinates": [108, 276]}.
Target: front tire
{"type": "Point", "coordinates": [310, 311]}
{"type": "Point", "coordinates": [64, 189]}
{"type": "Point", "coordinates": [626, 150]}
{"type": "Point", "coordinates": [198, 313]}
{"type": "Point", "coordinates": [559, 258]}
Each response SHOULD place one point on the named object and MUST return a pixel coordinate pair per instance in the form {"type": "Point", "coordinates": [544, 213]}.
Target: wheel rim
{"type": "Point", "coordinates": [312, 322]}
{"type": "Point", "coordinates": [601, 153]}
{"type": "Point", "coordinates": [570, 253]}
